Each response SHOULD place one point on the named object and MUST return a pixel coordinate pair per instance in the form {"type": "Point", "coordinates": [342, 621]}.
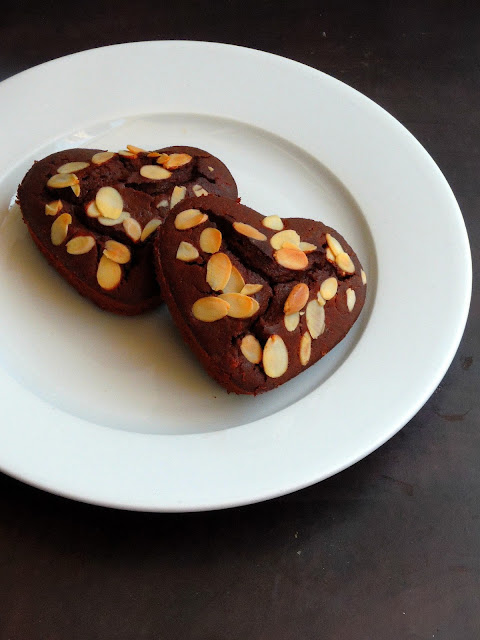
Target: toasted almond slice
{"type": "Point", "coordinates": [135, 149]}
{"type": "Point", "coordinates": [241, 306]}
{"type": "Point", "coordinates": [307, 247]}
{"type": "Point", "coordinates": [162, 158]}
{"type": "Point", "coordinates": [210, 309]}
{"type": "Point", "coordinates": [72, 167]}
{"type": "Point", "coordinates": [219, 269]}
{"type": "Point", "coordinates": [273, 222]}
{"type": "Point", "coordinates": [126, 153]}
{"type": "Point", "coordinates": [189, 218]}
{"type": "Point", "coordinates": [92, 210]}
{"type": "Point", "coordinates": [153, 154]}
{"type": "Point", "coordinates": [291, 321]}
{"type": "Point", "coordinates": [108, 222]}
{"type": "Point", "coordinates": [236, 282]}
{"type": "Point", "coordinates": [76, 189]}
{"type": "Point", "coordinates": [109, 273]}
{"type": "Point", "coordinates": [344, 262]}
{"type": "Point", "coordinates": [132, 229]}
{"type": "Point", "coordinates": [210, 168]}
{"type": "Point", "coordinates": [163, 203]}
{"type": "Point", "coordinates": [80, 244]}
{"type": "Point", "coordinates": [320, 299]}
{"type": "Point", "coordinates": [305, 348]}
{"type": "Point", "coordinates": [297, 298]}
{"type": "Point", "coordinates": [334, 245]}
{"type": "Point", "coordinates": [251, 289]}
{"type": "Point", "coordinates": [154, 172]}
{"type": "Point", "coordinates": [102, 156]}
{"type": "Point", "coordinates": [210, 240]}
{"type": "Point", "coordinates": [198, 190]}
{"type": "Point", "coordinates": [288, 235]}
{"type": "Point", "coordinates": [364, 276]}
{"type": "Point", "coordinates": [249, 231]}
{"type": "Point", "coordinates": [290, 245]}
{"type": "Point", "coordinates": [251, 349]}
{"type": "Point", "coordinates": [351, 299]}
{"type": "Point", "coordinates": [176, 160]}
{"type": "Point", "coordinates": [109, 202]}
{"type": "Point", "coordinates": [52, 208]}
{"type": "Point", "coordinates": [59, 230]}
{"type": "Point", "coordinates": [329, 255]}
{"type": "Point", "coordinates": [275, 357]}
{"type": "Point", "coordinates": [186, 252]}
{"type": "Point", "coordinates": [178, 194]}
{"type": "Point", "coordinates": [149, 228]}
{"type": "Point", "coordinates": [62, 180]}
{"type": "Point", "coordinates": [315, 317]}
{"type": "Point", "coordinates": [328, 288]}
{"type": "Point", "coordinates": [117, 252]}
{"type": "Point", "coordinates": [291, 258]}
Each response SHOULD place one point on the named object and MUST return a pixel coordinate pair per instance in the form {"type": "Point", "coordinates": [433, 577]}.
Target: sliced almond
{"type": "Point", "coordinates": [59, 230]}
{"type": "Point", "coordinates": [163, 203]}
{"type": "Point", "coordinates": [328, 288]}
{"type": "Point", "coordinates": [109, 202]}
{"type": "Point", "coordinates": [80, 244]}
{"type": "Point", "coordinates": [273, 222]}
{"type": "Point", "coordinates": [189, 218]}
{"type": "Point", "coordinates": [62, 180]}
{"type": "Point", "coordinates": [198, 190]}
{"type": "Point", "coordinates": [132, 229]}
{"type": "Point", "coordinates": [108, 222]}
{"type": "Point", "coordinates": [251, 289]}
{"type": "Point", "coordinates": [72, 167]}
{"type": "Point", "coordinates": [162, 158]}
{"type": "Point", "coordinates": [297, 298]}
{"type": "Point", "coordinates": [351, 299]}
{"type": "Point", "coordinates": [288, 235]}
{"type": "Point", "coordinates": [154, 172]}
{"type": "Point", "coordinates": [219, 269]}
{"type": "Point", "coordinates": [364, 276]}
{"type": "Point", "coordinates": [307, 247]}
{"type": "Point", "coordinates": [186, 252]}
{"type": "Point", "coordinates": [241, 306]}
{"type": "Point", "coordinates": [315, 317]}
{"type": "Point", "coordinates": [291, 321]}
{"type": "Point", "coordinates": [320, 299]}
{"type": "Point", "coordinates": [175, 160]}
{"type": "Point", "coordinates": [249, 231]}
{"type": "Point", "coordinates": [291, 258]}
{"type": "Point", "coordinates": [251, 349]}
{"type": "Point", "coordinates": [305, 348]}
{"type": "Point", "coordinates": [290, 245]}
{"type": "Point", "coordinates": [236, 282]}
{"type": "Point", "coordinates": [135, 149]}
{"type": "Point", "coordinates": [76, 189]}
{"type": "Point", "coordinates": [334, 245]}
{"type": "Point", "coordinates": [102, 156]}
{"type": "Point", "coordinates": [345, 263]}
{"type": "Point", "coordinates": [210, 240]}
{"type": "Point", "coordinates": [275, 357]}
{"type": "Point", "coordinates": [210, 309]}
{"type": "Point", "coordinates": [210, 168]}
{"type": "Point", "coordinates": [126, 153]}
{"type": "Point", "coordinates": [153, 154]}
{"type": "Point", "coordinates": [52, 208]}
{"type": "Point", "coordinates": [117, 252]}
{"type": "Point", "coordinates": [149, 228]}
{"type": "Point", "coordinates": [109, 273]}
{"type": "Point", "coordinates": [329, 255]}
{"type": "Point", "coordinates": [178, 194]}
{"type": "Point", "coordinates": [92, 210]}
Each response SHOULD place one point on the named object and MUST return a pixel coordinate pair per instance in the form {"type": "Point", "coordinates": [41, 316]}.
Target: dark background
{"type": "Point", "coordinates": [388, 549]}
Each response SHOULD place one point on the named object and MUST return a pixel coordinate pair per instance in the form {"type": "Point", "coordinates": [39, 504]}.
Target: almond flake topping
{"type": "Point", "coordinates": [251, 349]}
{"type": "Point", "coordinates": [305, 348]}
{"type": "Point", "coordinates": [149, 228]}
{"type": "Point", "coordinates": [275, 357]}
{"type": "Point", "coordinates": [219, 269]}
{"type": "Point", "coordinates": [297, 298]}
{"type": "Point", "coordinates": [59, 230]}
{"type": "Point", "coordinates": [345, 263]}
{"type": "Point", "coordinates": [249, 231]}
{"type": "Point", "coordinates": [189, 218]}
{"type": "Point", "coordinates": [72, 167]}
{"type": "Point", "coordinates": [62, 180]}
{"type": "Point", "coordinates": [241, 306]}
{"type": "Point", "coordinates": [273, 222]}
{"type": "Point", "coordinates": [288, 235]}
{"type": "Point", "coordinates": [132, 229]}
{"type": "Point", "coordinates": [109, 273]}
{"type": "Point", "coordinates": [210, 240]}
{"type": "Point", "coordinates": [210, 309]}
{"type": "Point", "coordinates": [186, 252]}
{"type": "Point", "coordinates": [154, 172]}
{"type": "Point", "coordinates": [109, 202]}
{"type": "Point", "coordinates": [117, 252]}
{"type": "Point", "coordinates": [52, 208]}
{"type": "Point", "coordinates": [351, 299]}
{"type": "Point", "coordinates": [102, 156]}
{"type": "Point", "coordinates": [291, 259]}
{"type": "Point", "coordinates": [315, 317]}
{"type": "Point", "coordinates": [178, 194]}
{"type": "Point", "coordinates": [80, 244]}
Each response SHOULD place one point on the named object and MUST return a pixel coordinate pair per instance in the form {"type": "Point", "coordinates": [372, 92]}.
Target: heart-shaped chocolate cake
{"type": "Point", "coordinates": [258, 299]}
{"type": "Point", "coordinates": [94, 215]}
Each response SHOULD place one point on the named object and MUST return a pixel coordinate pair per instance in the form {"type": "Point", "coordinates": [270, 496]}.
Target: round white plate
{"type": "Point", "coordinates": [116, 411]}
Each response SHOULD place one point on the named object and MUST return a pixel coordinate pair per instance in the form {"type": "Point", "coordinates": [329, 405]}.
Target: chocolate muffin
{"type": "Point", "coordinates": [258, 299]}
{"type": "Point", "coordinates": [94, 215]}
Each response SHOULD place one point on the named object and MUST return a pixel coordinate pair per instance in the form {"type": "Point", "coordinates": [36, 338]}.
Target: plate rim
{"type": "Point", "coordinates": [448, 354]}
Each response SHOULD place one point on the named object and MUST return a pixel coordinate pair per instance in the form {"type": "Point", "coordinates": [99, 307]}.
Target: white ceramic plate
{"type": "Point", "coordinates": [115, 411]}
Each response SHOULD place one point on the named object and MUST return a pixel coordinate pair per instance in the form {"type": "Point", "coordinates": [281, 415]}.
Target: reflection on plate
{"type": "Point", "coordinates": [116, 411]}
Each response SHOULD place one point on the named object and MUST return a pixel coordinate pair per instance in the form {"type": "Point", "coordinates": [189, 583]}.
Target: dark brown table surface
{"type": "Point", "coordinates": [388, 549]}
